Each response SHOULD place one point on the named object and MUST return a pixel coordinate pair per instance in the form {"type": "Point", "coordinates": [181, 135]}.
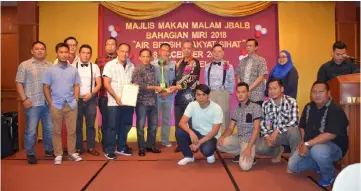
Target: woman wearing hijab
{"type": "Point", "coordinates": [287, 73]}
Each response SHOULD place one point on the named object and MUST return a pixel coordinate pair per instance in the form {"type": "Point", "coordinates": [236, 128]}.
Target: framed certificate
{"type": "Point", "coordinates": [129, 94]}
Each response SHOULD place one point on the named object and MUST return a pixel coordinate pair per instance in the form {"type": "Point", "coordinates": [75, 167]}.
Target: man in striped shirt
{"type": "Point", "coordinates": [30, 89]}
{"type": "Point", "coordinates": [279, 125]}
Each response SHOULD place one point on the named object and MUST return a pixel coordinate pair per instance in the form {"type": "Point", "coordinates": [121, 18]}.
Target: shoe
{"type": "Point", "coordinates": [141, 152]}
{"type": "Point", "coordinates": [186, 160]}
{"type": "Point", "coordinates": [177, 150]}
{"type": "Point", "coordinates": [110, 156]}
{"type": "Point", "coordinates": [32, 159]}
{"type": "Point", "coordinates": [211, 159]}
{"type": "Point", "coordinates": [289, 172]}
{"type": "Point", "coordinates": [167, 144]}
{"type": "Point", "coordinates": [254, 161]}
{"type": "Point", "coordinates": [93, 152]}
{"type": "Point", "coordinates": [153, 150]}
{"type": "Point", "coordinates": [49, 154]}
{"type": "Point", "coordinates": [58, 160]}
{"type": "Point", "coordinates": [323, 182]}
{"type": "Point", "coordinates": [79, 151]}
{"type": "Point", "coordinates": [75, 157]}
{"type": "Point", "coordinates": [278, 157]}
{"type": "Point", "coordinates": [235, 159]}
{"type": "Point", "coordinates": [126, 152]}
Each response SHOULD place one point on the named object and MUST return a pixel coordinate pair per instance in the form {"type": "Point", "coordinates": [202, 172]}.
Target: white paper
{"type": "Point", "coordinates": [129, 94]}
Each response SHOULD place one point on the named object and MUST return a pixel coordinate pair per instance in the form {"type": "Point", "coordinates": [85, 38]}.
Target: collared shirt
{"type": "Point", "coordinates": [76, 59]}
{"type": "Point", "coordinates": [336, 122]}
{"type": "Point", "coordinates": [86, 77]}
{"type": "Point", "coordinates": [281, 117]}
{"type": "Point", "coordinates": [118, 77]}
{"type": "Point", "coordinates": [169, 77]}
{"type": "Point", "coordinates": [203, 119]}
{"type": "Point", "coordinates": [30, 74]}
{"type": "Point", "coordinates": [101, 61]}
{"type": "Point", "coordinates": [62, 80]}
{"type": "Point", "coordinates": [144, 75]}
{"type": "Point", "coordinates": [330, 70]}
{"type": "Point", "coordinates": [216, 77]}
{"type": "Point", "coordinates": [248, 70]}
{"type": "Point", "coordinates": [244, 116]}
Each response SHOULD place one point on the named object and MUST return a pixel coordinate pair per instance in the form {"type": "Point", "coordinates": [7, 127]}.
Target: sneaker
{"type": "Point", "coordinates": [254, 161]}
{"type": "Point", "coordinates": [75, 157]}
{"type": "Point", "coordinates": [110, 156]}
{"type": "Point", "coordinates": [235, 159]}
{"type": "Point", "coordinates": [278, 157]}
{"type": "Point", "coordinates": [323, 182]}
{"type": "Point", "coordinates": [49, 154]}
{"type": "Point", "coordinates": [211, 159]}
{"type": "Point", "coordinates": [167, 144]}
{"type": "Point", "coordinates": [58, 160]}
{"type": "Point", "coordinates": [289, 171]}
{"type": "Point", "coordinates": [186, 160]}
{"type": "Point", "coordinates": [32, 159]}
{"type": "Point", "coordinates": [126, 152]}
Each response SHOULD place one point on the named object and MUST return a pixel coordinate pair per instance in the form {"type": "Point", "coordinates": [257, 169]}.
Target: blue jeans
{"type": "Point", "coordinates": [142, 113]}
{"type": "Point", "coordinates": [319, 156]}
{"type": "Point", "coordinates": [178, 113]}
{"type": "Point", "coordinates": [184, 140]}
{"type": "Point", "coordinates": [89, 111]}
{"type": "Point", "coordinates": [165, 109]}
{"type": "Point", "coordinates": [103, 108]}
{"type": "Point", "coordinates": [33, 115]}
{"type": "Point", "coordinates": [120, 119]}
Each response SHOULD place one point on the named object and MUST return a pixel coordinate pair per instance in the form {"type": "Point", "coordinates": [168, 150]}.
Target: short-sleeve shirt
{"type": "Point", "coordinates": [336, 123]}
{"type": "Point", "coordinates": [244, 116]}
{"type": "Point", "coordinates": [30, 73]}
{"type": "Point", "coordinates": [61, 81]}
{"type": "Point", "coordinates": [118, 77]}
{"type": "Point", "coordinates": [203, 119]}
{"type": "Point", "coordinates": [85, 77]}
{"type": "Point", "coordinates": [248, 70]}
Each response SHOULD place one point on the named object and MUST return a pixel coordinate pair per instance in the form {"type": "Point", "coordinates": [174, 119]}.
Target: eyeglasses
{"type": "Point", "coordinates": [282, 57]}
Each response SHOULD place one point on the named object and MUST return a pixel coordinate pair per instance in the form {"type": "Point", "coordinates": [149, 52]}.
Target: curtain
{"type": "Point", "coordinates": [141, 10]}
{"type": "Point", "coordinates": [233, 8]}
{"type": "Point", "coordinates": [148, 10]}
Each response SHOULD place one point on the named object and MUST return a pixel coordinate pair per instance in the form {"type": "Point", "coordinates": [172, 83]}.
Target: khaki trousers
{"type": "Point", "coordinates": [57, 116]}
{"type": "Point", "coordinates": [221, 97]}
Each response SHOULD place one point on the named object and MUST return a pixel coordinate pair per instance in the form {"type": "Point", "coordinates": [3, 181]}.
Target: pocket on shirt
{"type": "Point", "coordinates": [249, 118]}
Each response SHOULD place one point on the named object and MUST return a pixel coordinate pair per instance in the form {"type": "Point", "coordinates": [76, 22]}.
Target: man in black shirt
{"type": "Point", "coordinates": [338, 66]}
{"type": "Point", "coordinates": [323, 128]}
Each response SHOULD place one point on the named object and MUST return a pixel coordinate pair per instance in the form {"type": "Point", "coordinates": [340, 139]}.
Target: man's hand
{"type": "Point", "coordinates": [119, 102]}
{"type": "Point", "coordinates": [303, 150]}
{"type": "Point", "coordinates": [173, 88]}
{"type": "Point", "coordinates": [158, 89]}
{"type": "Point", "coordinates": [220, 141]}
{"type": "Point", "coordinates": [27, 104]}
{"type": "Point", "coordinates": [194, 137]}
{"type": "Point", "coordinates": [87, 97]}
{"type": "Point", "coordinates": [269, 141]}
{"type": "Point", "coordinates": [274, 136]}
{"type": "Point", "coordinates": [247, 154]}
{"type": "Point", "coordinates": [194, 147]}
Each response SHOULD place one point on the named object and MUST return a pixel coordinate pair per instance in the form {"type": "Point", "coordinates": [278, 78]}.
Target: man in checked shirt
{"type": "Point", "coordinates": [110, 49]}
{"type": "Point", "coordinates": [279, 125]}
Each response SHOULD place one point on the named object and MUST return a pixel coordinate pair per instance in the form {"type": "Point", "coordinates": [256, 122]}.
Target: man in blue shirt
{"type": "Point", "coordinates": [61, 89]}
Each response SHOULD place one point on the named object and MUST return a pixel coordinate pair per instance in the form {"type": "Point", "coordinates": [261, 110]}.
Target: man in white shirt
{"type": "Point", "coordinates": [207, 118]}
{"type": "Point", "coordinates": [120, 117]}
{"type": "Point", "coordinates": [90, 83]}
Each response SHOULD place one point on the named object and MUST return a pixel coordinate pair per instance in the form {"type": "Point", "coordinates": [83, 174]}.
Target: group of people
{"type": "Point", "coordinates": [71, 89]}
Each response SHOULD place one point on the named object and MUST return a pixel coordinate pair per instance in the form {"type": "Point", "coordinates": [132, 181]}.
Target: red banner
{"type": "Point", "coordinates": [190, 22]}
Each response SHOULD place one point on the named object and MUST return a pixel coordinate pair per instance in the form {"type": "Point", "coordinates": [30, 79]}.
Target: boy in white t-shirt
{"type": "Point", "coordinates": [206, 118]}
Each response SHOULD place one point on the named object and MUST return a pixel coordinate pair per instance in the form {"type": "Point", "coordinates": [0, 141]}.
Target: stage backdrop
{"type": "Point", "coordinates": [190, 22]}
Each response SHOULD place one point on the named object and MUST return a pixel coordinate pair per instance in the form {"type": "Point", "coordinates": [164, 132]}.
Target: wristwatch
{"type": "Point", "coordinates": [306, 144]}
